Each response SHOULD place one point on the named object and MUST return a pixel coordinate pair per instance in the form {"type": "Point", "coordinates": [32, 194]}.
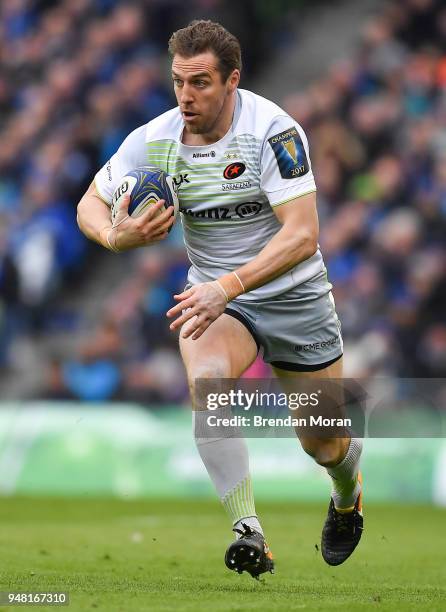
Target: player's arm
{"type": "Point", "coordinates": [94, 220]}
{"type": "Point", "coordinates": [93, 211]}
{"type": "Point", "coordinates": [295, 242]}
{"type": "Point", "coordinates": [93, 216]}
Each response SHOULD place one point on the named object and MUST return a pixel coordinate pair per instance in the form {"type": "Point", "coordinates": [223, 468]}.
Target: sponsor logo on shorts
{"type": "Point", "coordinates": [109, 170]}
{"type": "Point", "coordinates": [234, 186]}
{"type": "Point", "coordinates": [234, 170]}
{"type": "Point", "coordinates": [316, 346]}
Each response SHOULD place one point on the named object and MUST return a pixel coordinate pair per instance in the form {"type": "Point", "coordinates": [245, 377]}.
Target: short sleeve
{"type": "Point", "coordinates": [131, 154]}
{"type": "Point", "coordinates": [285, 163]}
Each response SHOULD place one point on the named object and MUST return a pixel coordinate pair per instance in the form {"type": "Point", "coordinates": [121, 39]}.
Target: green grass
{"type": "Point", "coordinates": [156, 555]}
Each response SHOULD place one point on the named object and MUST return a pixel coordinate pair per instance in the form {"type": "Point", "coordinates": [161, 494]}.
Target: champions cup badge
{"type": "Point", "coordinates": [290, 148]}
{"type": "Point", "coordinates": [290, 153]}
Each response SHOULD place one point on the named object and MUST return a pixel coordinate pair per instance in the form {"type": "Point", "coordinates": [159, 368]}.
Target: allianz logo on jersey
{"type": "Point", "coordinates": [198, 155]}
{"type": "Point", "coordinates": [224, 213]}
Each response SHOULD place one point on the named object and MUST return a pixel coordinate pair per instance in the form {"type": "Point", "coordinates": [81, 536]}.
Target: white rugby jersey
{"type": "Point", "coordinates": [227, 190]}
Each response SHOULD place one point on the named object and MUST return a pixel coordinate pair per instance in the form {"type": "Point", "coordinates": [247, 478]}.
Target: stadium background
{"type": "Point", "coordinates": [94, 399]}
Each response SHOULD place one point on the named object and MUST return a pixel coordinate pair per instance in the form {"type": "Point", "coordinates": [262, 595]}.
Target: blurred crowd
{"type": "Point", "coordinates": [77, 77]}
{"type": "Point", "coordinates": [377, 129]}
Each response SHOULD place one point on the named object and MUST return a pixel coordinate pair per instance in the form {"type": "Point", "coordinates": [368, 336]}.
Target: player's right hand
{"type": "Point", "coordinates": [150, 227]}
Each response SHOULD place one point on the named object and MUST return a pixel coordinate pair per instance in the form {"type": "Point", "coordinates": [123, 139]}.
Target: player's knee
{"type": "Point", "coordinates": [326, 452]}
{"type": "Point", "coordinates": [215, 369]}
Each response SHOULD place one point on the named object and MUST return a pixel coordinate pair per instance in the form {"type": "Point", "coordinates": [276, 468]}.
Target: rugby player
{"type": "Point", "coordinates": [257, 278]}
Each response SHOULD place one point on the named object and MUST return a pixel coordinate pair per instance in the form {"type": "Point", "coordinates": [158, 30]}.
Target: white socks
{"type": "Point", "coordinates": [346, 486]}
{"type": "Point", "coordinates": [227, 463]}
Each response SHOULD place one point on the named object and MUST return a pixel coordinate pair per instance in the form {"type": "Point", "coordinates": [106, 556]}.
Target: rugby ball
{"type": "Point", "coordinates": [145, 185]}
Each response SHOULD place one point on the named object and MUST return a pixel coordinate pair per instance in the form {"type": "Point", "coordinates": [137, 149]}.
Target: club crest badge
{"type": "Point", "coordinates": [234, 170]}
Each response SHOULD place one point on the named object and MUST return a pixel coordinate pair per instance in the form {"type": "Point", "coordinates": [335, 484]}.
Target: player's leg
{"type": "Point", "coordinates": [225, 350]}
{"type": "Point", "coordinates": [325, 451]}
{"type": "Point", "coordinates": [340, 456]}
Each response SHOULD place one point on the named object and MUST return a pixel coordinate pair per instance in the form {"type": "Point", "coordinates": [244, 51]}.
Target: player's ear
{"type": "Point", "coordinates": [233, 80]}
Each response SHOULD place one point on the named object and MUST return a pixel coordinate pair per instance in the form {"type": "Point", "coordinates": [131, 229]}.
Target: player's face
{"type": "Point", "coordinates": [203, 97]}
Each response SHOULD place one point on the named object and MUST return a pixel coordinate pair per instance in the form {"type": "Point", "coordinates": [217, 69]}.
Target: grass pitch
{"type": "Point", "coordinates": [168, 555]}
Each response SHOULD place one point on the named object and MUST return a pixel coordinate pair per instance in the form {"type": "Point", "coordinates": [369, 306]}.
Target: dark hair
{"type": "Point", "coordinates": [205, 35]}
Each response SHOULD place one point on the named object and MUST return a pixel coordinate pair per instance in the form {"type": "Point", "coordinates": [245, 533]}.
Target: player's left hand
{"type": "Point", "coordinates": [203, 301]}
